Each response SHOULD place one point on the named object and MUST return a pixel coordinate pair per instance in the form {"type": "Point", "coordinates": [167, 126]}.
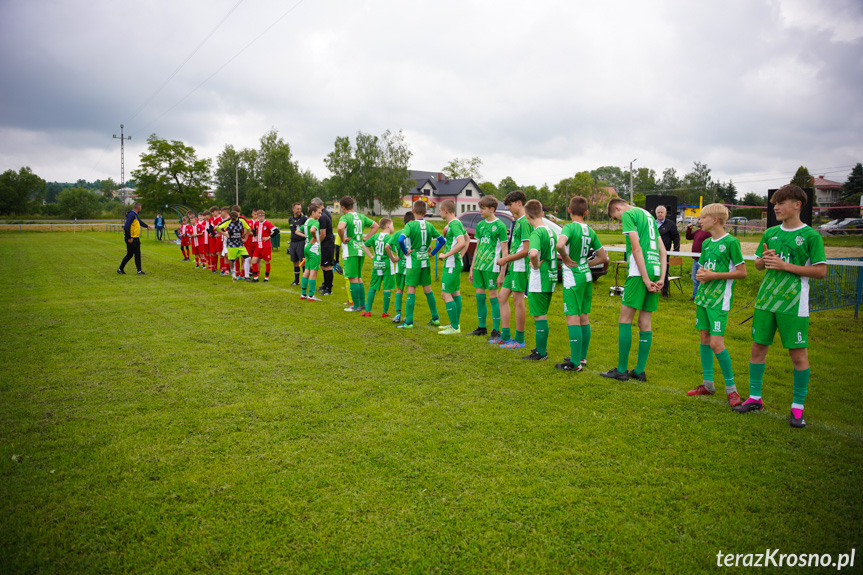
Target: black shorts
{"type": "Point", "coordinates": [297, 251]}
{"type": "Point", "coordinates": [327, 256]}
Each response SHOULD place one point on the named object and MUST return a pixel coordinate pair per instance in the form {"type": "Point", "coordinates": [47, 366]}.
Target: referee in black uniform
{"type": "Point", "coordinates": [297, 242]}
{"type": "Point", "coordinates": [328, 248]}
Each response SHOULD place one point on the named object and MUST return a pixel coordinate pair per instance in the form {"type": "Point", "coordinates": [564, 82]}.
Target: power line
{"type": "Point", "coordinates": [231, 59]}
{"type": "Point", "coordinates": [183, 63]}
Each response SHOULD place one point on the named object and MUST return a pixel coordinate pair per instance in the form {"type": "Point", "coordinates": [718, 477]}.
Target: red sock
{"type": "Point", "coordinates": [255, 270]}
{"type": "Point", "coordinates": [268, 269]}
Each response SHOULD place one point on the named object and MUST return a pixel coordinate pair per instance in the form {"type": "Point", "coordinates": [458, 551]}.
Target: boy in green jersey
{"type": "Point", "coordinates": [647, 264]}
{"type": "Point", "coordinates": [574, 243]}
{"type": "Point", "coordinates": [721, 263]}
{"type": "Point", "coordinates": [397, 257]}
{"type": "Point", "coordinates": [491, 236]}
{"type": "Point", "coordinates": [312, 231]}
{"type": "Point", "coordinates": [456, 241]}
{"type": "Point", "coordinates": [792, 253]}
{"type": "Point", "coordinates": [543, 276]}
{"type": "Point", "coordinates": [350, 230]}
{"type": "Point", "coordinates": [382, 277]}
{"type": "Point", "coordinates": [415, 242]}
{"type": "Point", "coordinates": [514, 271]}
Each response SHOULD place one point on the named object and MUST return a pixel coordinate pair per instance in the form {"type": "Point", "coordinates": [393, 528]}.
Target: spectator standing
{"type": "Point", "coordinates": [160, 226]}
{"type": "Point", "coordinates": [669, 235]}
{"type": "Point", "coordinates": [697, 236]}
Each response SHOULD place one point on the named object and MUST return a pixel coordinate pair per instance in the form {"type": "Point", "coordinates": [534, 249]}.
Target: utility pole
{"type": "Point", "coordinates": [631, 200]}
{"type": "Point", "coordinates": [237, 180]}
{"type": "Point", "coordinates": [122, 139]}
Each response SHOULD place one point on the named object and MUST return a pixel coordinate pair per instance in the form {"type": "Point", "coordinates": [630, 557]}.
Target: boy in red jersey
{"type": "Point", "coordinates": [184, 238]}
{"type": "Point", "coordinates": [223, 253]}
{"type": "Point", "coordinates": [215, 239]}
{"type": "Point", "coordinates": [198, 241]}
{"type": "Point", "coordinates": [263, 249]}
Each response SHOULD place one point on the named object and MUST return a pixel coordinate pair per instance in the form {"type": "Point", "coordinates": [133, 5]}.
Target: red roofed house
{"type": "Point", "coordinates": [827, 192]}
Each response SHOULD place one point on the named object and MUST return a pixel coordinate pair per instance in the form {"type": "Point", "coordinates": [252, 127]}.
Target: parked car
{"type": "Point", "coordinates": [470, 220]}
{"type": "Point", "coordinates": [738, 221]}
{"type": "Point", "coordinates": [829, 225]}
{"type": "Point", "coordinates": [848, 224]}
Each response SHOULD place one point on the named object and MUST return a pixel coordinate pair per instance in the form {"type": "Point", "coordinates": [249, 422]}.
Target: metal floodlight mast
{"type": "Point", "coordinates": [122, 139]}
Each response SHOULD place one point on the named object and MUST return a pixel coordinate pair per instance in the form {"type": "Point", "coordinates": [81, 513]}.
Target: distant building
{"type": "Point", "coordinates": [827, 192]}
{"type": "Point", "coordinates": [127, 195]}
{"type": "Point", "coordinates": [434, 187]}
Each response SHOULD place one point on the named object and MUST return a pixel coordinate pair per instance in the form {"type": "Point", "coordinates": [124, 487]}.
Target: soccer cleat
{"type": "Point", "coordinates": [614, 374]}
{"type": "Point", "coordinates": [352, 308]}
{"type": "Point", "coordinates": [398, 318]}
{"type": "Point", "coordinates": [797, 422]}
{"type": "Point", "coordinates": [214, 271]}
{"type": "Point", "coordinates": [338, 269]}
{"type": "Point", "coordinates": [434, 322]}
{"type": "Point", "coordinates": [638, 376]}
{"type": "Point", "coordinates": [536, 356]}
{"type": "Point", "coordinates": [449, 331]}
{"type": "Point", "coordinates": [734, 399]}
{"type": "Point", "coordinates": [512, 344]}
{"type": "Point", "coordinates": [405, 325]}
{"type": "Point", "coordinates": [313, 298]}
{"type": "Point", "coordinates": [236, 279]}
{"type": "Point", "coordinates": [121, 272]}
{"type": "Point", "coordinates": [141, 273]}
{"type": "Point", "coordinates": [444, 326]}
{"type": "Point", "coordinates": [349, 303]}
{"type": "Point", "coordinates": [385, 315]}
{"type": "Point", "coordinates": [254, 280]}
{"type": "Point", "coordinates": [266, 279]}
{"type": "Point", "coordinates": [197, 266]}
{"type": "Point", "coordinates": [366, 314]}
{"type": "Point", "coordinates": [479, 331]}
{"type": "Point", "coordinates": [568, 366]}
{"type": "Point", "coordinates": [584, 362]}
{"type": "Point", "coordinates": [749, 405]}
{"type": "Point", "coordinates": [495, 337]}
{"type": "Point", "coordinates": [303, 297]}
{"type": "Point", "coordinates": [701, 390]}
{"type": "Point", "coordinates": [226, 273]}
{"type": "Point", "coordinates": [295, 283]}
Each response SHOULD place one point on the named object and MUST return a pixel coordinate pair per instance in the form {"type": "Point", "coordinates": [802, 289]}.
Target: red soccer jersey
{"type": "Point", "coordinates": [262, 234]}
{"type": "Point", "coordinates": [200, 229]}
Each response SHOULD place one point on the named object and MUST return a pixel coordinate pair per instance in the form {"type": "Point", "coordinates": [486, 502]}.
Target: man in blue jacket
{"type": "Point", "coordinates": [132, 234]}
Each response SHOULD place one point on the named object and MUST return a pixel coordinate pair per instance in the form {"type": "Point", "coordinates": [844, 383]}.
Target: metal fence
{"type": "Point", "coordinates": [842, 287]}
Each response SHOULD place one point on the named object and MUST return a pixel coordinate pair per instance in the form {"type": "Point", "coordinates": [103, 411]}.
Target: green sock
{"type": "Point", "coordinates": [304, 285]}
{"type": "Point", "coordinates": [387, 294]}
{"type": "Point", "coordinates": [481, 311]}
{"type": "Point", "coordinates": [724, 359]}
{"type": "Point", "coordinates": [756, 379]}
{"type": "Point", "coordinates": [457, 300]}
{"type": "Point", "coordinates": [398, 303]}
{"type": "Point", "coordinates": [585, 339]}
{"type": "Point", "coordinates": [451, 311]}
{"type": "Point", "coordinates": [370, 301]}
{"type": "Point", "coordinates": [706, 362]}
{"type": "Point", "coordinates": [495, 314]}
{"type": "Point", "coordinates": [432, 305]}
{"type": "Point", "coordinates": [624, 344]}
{"type": "Point", "coordinates": [519, 336]}
{"type": "Point", "coordinates": [645, 338]}
{"type": "Point", "coordinates": [409, 312]}
{"type": "Point", "coordinates": [312, 287]}
{"type": "Point", "coordinates": [505, 334]}
{"type": "Point", "coordinates": [574, 343]}
{"type": "Point", "coordinates": [541, 336]}
{"type": "Point", "coordinates": [801, 386]}
{"type": "Point", "coordinates": [354, 295]}
{"type": "Point", "coordinates": [361, 290]}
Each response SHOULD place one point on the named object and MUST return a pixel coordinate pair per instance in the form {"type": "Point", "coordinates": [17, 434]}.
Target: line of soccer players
{"type": "Point", "coordinates": [508, 267]}
{"type": "Point", "coordinates": [223, 241]}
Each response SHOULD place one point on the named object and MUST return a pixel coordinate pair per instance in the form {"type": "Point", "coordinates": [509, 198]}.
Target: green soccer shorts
{"type": "Point", "coordinates": [353, 267]}
{"type": "Point", "coordinates": [538, 302]}
{"type": "Point", "coordinates": [485, 279]}
{"type": "Point", "coordinates": [313, 258]}
{"type": "Point", "coordinates": [234, 253]}
{"type": "Point", "coordinates": [451, 280]}
{"type": "Point", "coordinates": [710, 319]}
{"type": "Point", "coordinates": [515, 281]}
{"type": "Point", "coordinates": [400, 281]}
{"type": "Point", "coordinates": [577, 300]}
{"type": "Point", "coordinates": [382, 280]}
{"type": "Point", "coordinates": [793, 330]}
{"type": "Point", "coordinates": [635, 295]}
{"type": "Point", "coordinates": [418, 277]}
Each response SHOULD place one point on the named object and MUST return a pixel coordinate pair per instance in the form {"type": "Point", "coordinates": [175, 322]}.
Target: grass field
{"type": "Point", "coordinates": [177, 422]}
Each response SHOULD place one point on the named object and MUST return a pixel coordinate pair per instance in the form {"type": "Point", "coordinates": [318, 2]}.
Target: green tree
{"type": "Point", "coordinates": [171, 173]}
{"type": "Point", "coordinates": [610, 176]}
{"type": "Point", "coordinates": [581, 184]}
{"type": "Point", "coordinates": [696, 184]}
{"type": "Point", "coordinates": [78, 203]}
{"type": "Point", "coordinates": [52, 190]}
{"type": "Point", "coordinates": [459, 168]}
{"type": "Point", "coordinates": [802, 178]}
{"type": "Point", "coordinates": [488, 189]}
{"type": "Point", "coordinates": [753, 199]}
{"type": "Point", "coordinates": [107, 186]}
{"type": "Point", "coordinates": [853, 186]}
{"type": "Point", "coordinates": [669, 182]}
{"type": "Point", "coordinates": [340, 163]}
{"type": "Point", "coordinates": [644, 180]}
{"type": "Point", "coordinates": [278, 174]}
{"type": "Point", "coordinates": [20, 191]}
{"type": "Point", "coordinates": [394, 173]}
{"type": "Point", "coordinates": [506, 186]}
{"type": "Point", "coordinates": [234, 175]}
{"type": "Point", "coordinates": [639, 199]}
{"type": "Point", "coordinates": [314, 188]}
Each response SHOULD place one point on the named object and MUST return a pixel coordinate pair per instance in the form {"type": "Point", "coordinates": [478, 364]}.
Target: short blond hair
{"type": "Point", "coordinates": [717, 211]}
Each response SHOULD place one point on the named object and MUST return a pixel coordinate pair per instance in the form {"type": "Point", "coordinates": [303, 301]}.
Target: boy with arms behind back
{"type": "Point", "coordinates": [392, 248]}
{"type": "Point", "coordinates": [491, 236]}
{"type": "Point", "coordinates": [514, 269]}
{"type": "Point", "coordinates": [543, 276]}
{"type": "Point", "coordinates": [382, 277]}
{"type": "Point", "coordinates": [456, 241]}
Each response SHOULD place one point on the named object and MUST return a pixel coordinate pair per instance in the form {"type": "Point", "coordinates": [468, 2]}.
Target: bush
{"type": "Point", "coordinates": [78, 203]}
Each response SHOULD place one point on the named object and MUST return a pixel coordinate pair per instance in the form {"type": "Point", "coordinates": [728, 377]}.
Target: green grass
{"type": "Point", "coordinates": [177, 422]}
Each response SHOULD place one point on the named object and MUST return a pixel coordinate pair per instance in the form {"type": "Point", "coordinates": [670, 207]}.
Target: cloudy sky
{"type": "Point", "coordinates": [539, 90]}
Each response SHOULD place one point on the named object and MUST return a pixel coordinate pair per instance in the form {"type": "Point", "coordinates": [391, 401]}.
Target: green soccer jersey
{"type": "Point", "coordinates": [378, 242]}
{"type": "Point", "coordinates": [781, 291]}
{"type": "Point", "coordinates": [719, 255]}
{"type": "Point", "coordinates": [454, 229]}
{"type": "Point", "coordinates": [312, 229]}
{"type": "Point", "coordinates": [418, 237]}
{"type": "Point", "coordinates": [521, 230]}
{"type": "Point", "coordinates": [489, 235]}
{"type": "Point", "coordinates": [354, 224]}
{"type": "Point", "coordinates": [544, 240]}
{"type": "Point", "coordinates": [580, 238]}
{"type": "Point", "coordinates": [393, 242]}
{"type": "Point", "coordinates": [640, 221]}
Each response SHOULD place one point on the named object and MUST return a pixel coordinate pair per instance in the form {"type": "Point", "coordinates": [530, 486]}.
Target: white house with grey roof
{"type": "Point", "coordinates": [433, 188]}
